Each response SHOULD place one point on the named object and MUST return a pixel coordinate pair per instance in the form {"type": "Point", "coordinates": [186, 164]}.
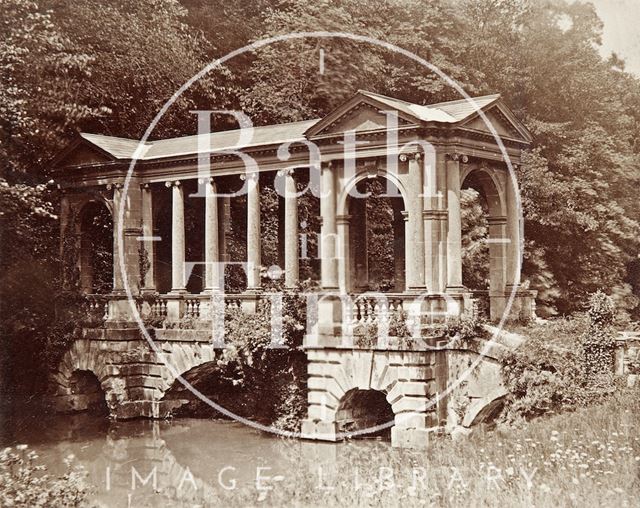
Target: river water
{"type": "Point", "coordinates": [169, 463]}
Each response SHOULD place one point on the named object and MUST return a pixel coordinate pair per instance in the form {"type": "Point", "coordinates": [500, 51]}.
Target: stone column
{"type": "Point", "coordinates": [118, 233]}
{"type": "Point", "coordinates": [454, 225]}
{"type": "Point", "coordinates": [211, 238]}
{"type": "Point", "coordinates": [291, 255]}
{"type": "Point", "coordinates": [513, 234]}
{"type": "Point", "coordinates": [432, 216]}
{"type": "Point", "coordinates": [329, 266]}
{"type": "Point", "coordinates": [344, 255]}
{"type": "Point", "coordinates": [416, 251]}
{"type": "Point", "coordinates": [127, 218]}
{"type": "Point", "coordinates": [497, 254]}
{"type": "Point", "coordinates": [408, 249]}
{"type": "Point", "coordinates": [178, 283]}
{"type": "Point", "coordinates": [253, 234]}
{"type": "Point", "coordinates": [147, 240]}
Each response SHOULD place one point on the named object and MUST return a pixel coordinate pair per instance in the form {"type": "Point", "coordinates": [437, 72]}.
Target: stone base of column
{"type": "Point", "coordinates": [328, 329]}
{"type": "Point", "coordinates": [522, 307]}
{"type": "Point", "coordinates": [175, 305]}
{"type": "Point", "coordinates": [417, 438]}
{"type": "Point", "coordinates": [250, 300]}
{"type": "Point", "coordinates": [120, 309]}
{"type": "Point", "coordinates": [319, 430]}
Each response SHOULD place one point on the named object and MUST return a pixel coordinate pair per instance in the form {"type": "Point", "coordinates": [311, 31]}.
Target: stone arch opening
{"type": "Point", "coordinates": [484, 237]}
{"type": "Point", "coordinates": [96, 248]}
{"type": "Point", "coordinates": [365, 409]}
{"type": "Point", "coordinates": [215, 383]}
{"type": "Point", "coordinates": [87, 393]}
{"type": "Point", "coordinates": [374, 233]}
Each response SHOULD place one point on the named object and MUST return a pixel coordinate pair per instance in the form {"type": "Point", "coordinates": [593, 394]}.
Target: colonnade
{"type": "Point", "coordinates": [432, 229]}
{"type": "Point", "coordinates": [213, 274]}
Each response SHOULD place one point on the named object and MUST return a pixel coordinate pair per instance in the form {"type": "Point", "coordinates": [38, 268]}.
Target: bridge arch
{"type": "Point", "coordinates": [82, 380]}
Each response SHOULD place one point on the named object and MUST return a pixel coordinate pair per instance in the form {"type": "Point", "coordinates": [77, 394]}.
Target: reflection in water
{"type": "Point", "coordinates": [169, 463]}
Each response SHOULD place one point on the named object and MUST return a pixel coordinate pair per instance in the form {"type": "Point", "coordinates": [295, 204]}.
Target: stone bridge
{"type": "Point", "coordinates": [368, 199]}
{"type": "Point", "coordinates": [414, 389]}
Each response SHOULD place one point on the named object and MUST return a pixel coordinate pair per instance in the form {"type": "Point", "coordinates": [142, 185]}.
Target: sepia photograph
{"type": "Point", "coordinates": [319, 253]}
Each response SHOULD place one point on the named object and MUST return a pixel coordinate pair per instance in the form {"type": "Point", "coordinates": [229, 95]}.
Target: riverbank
{"type": "Point", "coordinates": [591, 455]}
{"type": "Point", "coordinates": [565, 460]}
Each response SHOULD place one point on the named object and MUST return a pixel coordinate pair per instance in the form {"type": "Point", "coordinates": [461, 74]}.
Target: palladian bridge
{"type": "Point", "coordinates": [174, 220]}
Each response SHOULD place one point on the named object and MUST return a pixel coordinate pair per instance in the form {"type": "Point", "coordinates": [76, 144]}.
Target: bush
{"type": "Point", "coordinates": [563, 364]}
{"type": "Point", "coordinates": [25, 483]}
{"type": "Point", "coordinates": [598, 343]}
{"type": "Point", "coordinates": [545, 374]}
{"type": "Point", "coordinates": [255, 378]}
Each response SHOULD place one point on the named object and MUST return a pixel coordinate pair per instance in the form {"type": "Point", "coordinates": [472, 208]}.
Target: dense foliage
{"type": "Point", "coordinates": [256, 375]}
{"type": "Point", "coordinates": [107, 67]}
{"type": "Point", "coordinates": [562, 365]}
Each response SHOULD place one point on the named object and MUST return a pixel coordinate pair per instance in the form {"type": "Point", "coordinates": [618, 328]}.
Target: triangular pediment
{"type": "Point", "coordinates": [358, 114]}
{"type": "Point", "coordinates": [81, 153]}
{"type": "Point", "coordinates": [502, 120]}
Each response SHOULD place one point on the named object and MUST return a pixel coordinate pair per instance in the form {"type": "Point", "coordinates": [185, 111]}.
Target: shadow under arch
{"type": "Point", "coordinates": [214, 381]}
{"type": "Point", "coordinates": [361, 409]}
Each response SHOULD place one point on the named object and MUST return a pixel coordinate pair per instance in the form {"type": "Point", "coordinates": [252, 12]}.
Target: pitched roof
{"type": "Point", "coordinates": [120, 148]}
{"type": "Point", "coordinates": [265, 135]}
{"type": "Point", "coordinates": [445, 112]}
{"type": "Point", "coordinates": [451, 112]}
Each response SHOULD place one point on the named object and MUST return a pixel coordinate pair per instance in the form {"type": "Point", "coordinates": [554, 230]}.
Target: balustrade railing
{"type": "Point", "coordinates": [361, 313]}
{"type": "Point", "coordinates": [158, 308]}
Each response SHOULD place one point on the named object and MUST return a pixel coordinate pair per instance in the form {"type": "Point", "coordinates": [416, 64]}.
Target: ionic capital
{"type": "Point", "coordinates": [458, 157]}
{"type": "Point", "coordinates": [414, 156]}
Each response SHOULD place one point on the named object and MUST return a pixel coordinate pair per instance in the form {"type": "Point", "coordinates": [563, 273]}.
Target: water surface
{"type": "Point", "coordinates": [177, 462]}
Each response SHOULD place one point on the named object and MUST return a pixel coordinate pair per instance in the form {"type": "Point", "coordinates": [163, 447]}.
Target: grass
{"type": "Point", "coordinates": [590, 457]}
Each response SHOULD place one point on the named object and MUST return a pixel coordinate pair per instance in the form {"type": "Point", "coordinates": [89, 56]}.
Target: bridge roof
{"type": "Point", "coordinates": [454, 113]}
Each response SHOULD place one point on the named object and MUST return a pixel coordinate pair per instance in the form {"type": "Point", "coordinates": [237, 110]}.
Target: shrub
{"type": "Point", "coordinates": [563, 364]}
{"type": "Point", "coordinates": [25, 483]}
{"type": "Point", "coordinates": [598, 342]}
{"type": "Point", "coordinates": [256, 378]}
{"type": "Point", "coordinates": [546, 372]}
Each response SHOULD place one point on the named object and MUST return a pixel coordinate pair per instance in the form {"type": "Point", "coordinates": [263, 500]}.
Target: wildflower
{"type": "Point", "coordinates": [21, 447]}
